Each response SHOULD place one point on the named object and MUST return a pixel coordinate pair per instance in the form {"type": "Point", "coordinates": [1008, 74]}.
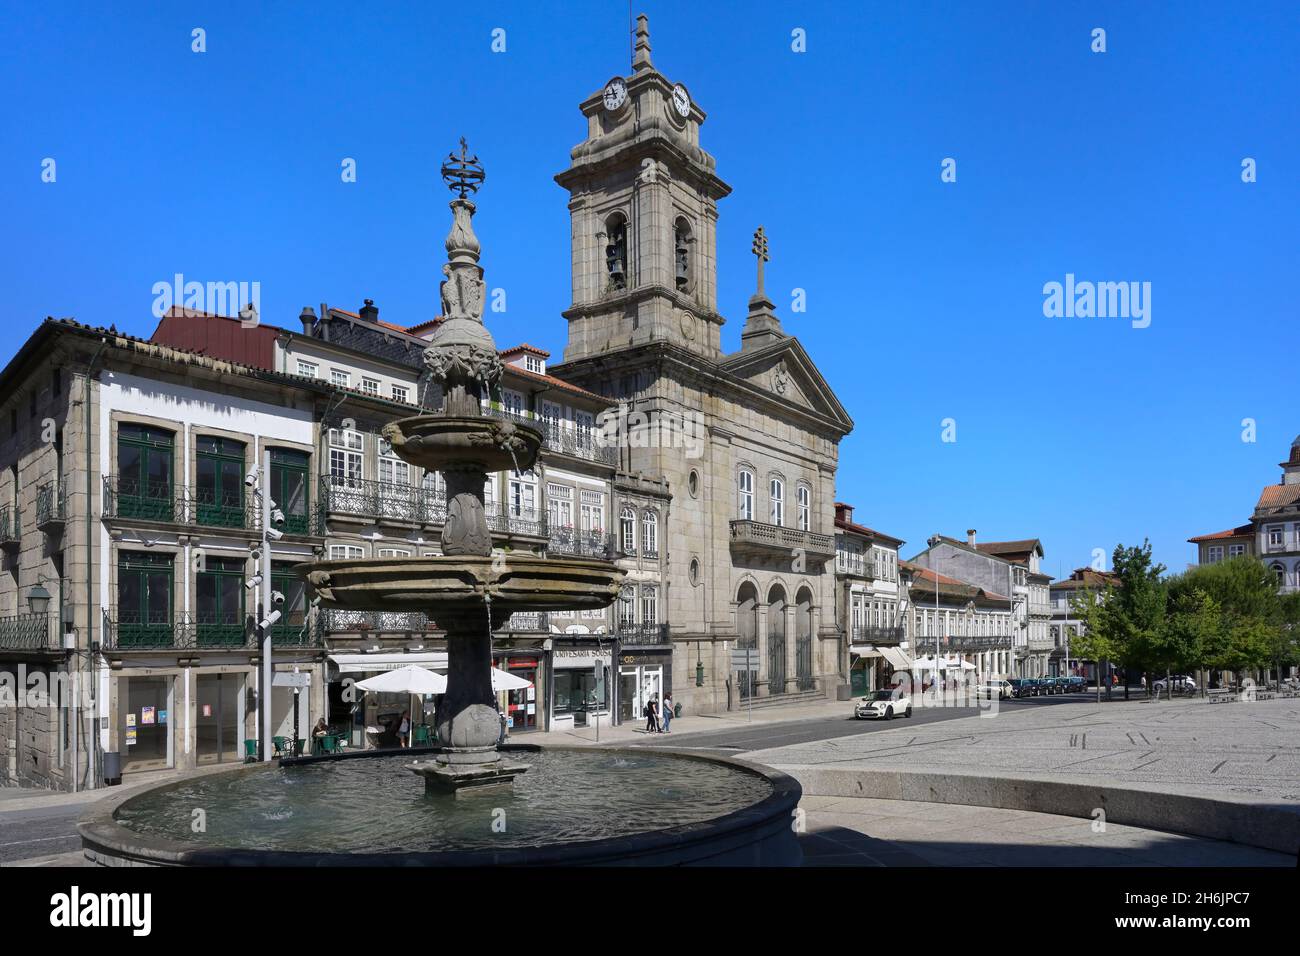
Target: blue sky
{"type": "Point", "coordinates": [924, 298]}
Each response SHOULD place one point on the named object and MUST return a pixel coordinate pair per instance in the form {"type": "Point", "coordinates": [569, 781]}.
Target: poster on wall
{"type": "Point", "coordinates": [147, 716]}
{"type": "Point", "coordinates": [532, 709]}
{"type": "Point", "coordinates": [207, 710]}
{"type": "Point", "coordinates": [532, 692]}
{"type": "Point", "coordinates": [130, 738]}
{"type": "Point", "coordinates": [162, 716]}
{"type": "Point", "coordinates": [130, 720]}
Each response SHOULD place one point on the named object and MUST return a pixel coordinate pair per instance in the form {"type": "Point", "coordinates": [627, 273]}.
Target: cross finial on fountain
{"type": "Point", "coordinates": [463, 172]}
{"type": "Point", "coordinates": [760, 250]}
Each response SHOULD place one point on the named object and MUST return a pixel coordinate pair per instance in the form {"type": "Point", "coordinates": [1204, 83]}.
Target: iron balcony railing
{"type": "Point", "coordinates": [874, 634]}
{"type": "Point", "coordinates": [415, 504]}
{"type": "Point", "coordinates": [855, 565]}
{"type": "Point", "coordinates": [51, 503]}
{"type": "Point", "coordinates": [10, 526]}
{"type": "Point", "coordinates": [26, 632]}
{"type": "Point", "coordinates": [587, 544]}
{"type": "Point", "coordinates": [529, 621]}
{"type": "Point", "coordinates": [126, 630]}
{"type": "Point", "coordinates": [566, 440]}
{"type": "Point", "coordinates": [642, 634]}
{"type": "Point", "coordinates": [162, 501]}
{"type": "Point", "coordinates": [341, 621]}
{"type": "Point", "coordinates": [979, 642]}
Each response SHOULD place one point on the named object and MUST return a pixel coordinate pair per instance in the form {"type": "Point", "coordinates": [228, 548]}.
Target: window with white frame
{"type": "Point", "coordinates": [805, 508]}
{"type": "Point", "coordinates": [776, 495]}
{"type": "Point", "coordinates": [650, 533]}
{"type": "Point", "coordinates": [394, 552]}
{"type": "Point", "coordinates": [559, 506]}
{"type": "Point", "coordinates": [1275, 536]}
{"type": "Point", "coordinates": [593, 512]}
{"type": "Point", "coordinates": [626, 607]}
{"type": "Point", "coordinates": [347, 450]}
{"type": "Point", "coordinates": [534, 364]}
{"type": "Point", "coordinates": [392, 470]}
{"type": "Point", "coordinates": [627, 530]}
{"type": "Point", "coordinates": [434, 484]}
{"type": "Point", "coordinates": [370, 385]}
{"type": "Point", "coordinates": [745, 489]}
{"type": "Point", "coordinates": [649, 604]}
{"type": "Point", "coordinates": [512, 401]}
{"type": "Point", "coordinates": [552, 414]}
{"type": "Point", "coordinates": [341, 378]}
{"type": "Point", "coordinates": [1236, 550]}
{"type": "Point", "coordinates": [345, 552]}
{"type": "Point", "coordinates": [490, 494]}
{"type": "Point", "coordinates": [584, 423]}
{"type": "Point", "coordinates": [522, 501]}
{"type": "Point", "coordinates": [1214, 553]}
{"type": "Point", "coordinates": [401, 393]}
{"type": "Point", "coordinates": [308, 369]}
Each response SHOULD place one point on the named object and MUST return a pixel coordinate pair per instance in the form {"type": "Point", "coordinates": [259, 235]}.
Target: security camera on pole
{"type": "Point", "coordinates": [267, 597]}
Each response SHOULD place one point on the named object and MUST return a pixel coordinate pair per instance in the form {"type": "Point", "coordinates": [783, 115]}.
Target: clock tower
{"type": "Point", "coordinates": [643, 208]}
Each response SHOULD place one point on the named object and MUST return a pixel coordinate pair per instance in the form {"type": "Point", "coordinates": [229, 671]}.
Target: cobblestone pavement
{"type": "Point", "coordinates": [1246, 751]}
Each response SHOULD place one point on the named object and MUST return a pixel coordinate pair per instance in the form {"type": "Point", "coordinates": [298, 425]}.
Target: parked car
{"type": "Point", "coordinates": [1057, 685]}
{"type": "Point", "coordinates": [885, 704]}
{"type": "Point", "coordinates": [1000, 689]}
{"type": "Point", "coordinates": [1075, 685]}
{"type": "Point", "coordinates": [1179, 682]}
{"type": "Point", "coordinates": [1022, 687]}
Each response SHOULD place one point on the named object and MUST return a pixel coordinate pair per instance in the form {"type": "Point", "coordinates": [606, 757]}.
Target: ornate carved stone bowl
{"type": "Point", "coordinates": [437, 442]}
{"type": "Point", "coordinates": [457, 584]}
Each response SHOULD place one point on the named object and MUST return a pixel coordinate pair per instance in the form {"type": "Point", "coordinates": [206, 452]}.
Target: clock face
{"type": "Point", "coordinates": [615, 94]}
{"type": "Point", "coordinates": [681, 100]}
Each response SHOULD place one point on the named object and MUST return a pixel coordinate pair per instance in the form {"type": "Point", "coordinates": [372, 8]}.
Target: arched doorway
{"type": "Point", "coordinates": [803, 647]}
{"type": "Point", "coordinates": [747, 630]}
{"type": "Point", "coordinates": [776, 640]}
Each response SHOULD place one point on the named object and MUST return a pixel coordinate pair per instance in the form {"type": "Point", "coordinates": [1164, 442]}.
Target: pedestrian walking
{"type": "Point", "coordinates": [651, 718]}
{"type": "Point", "coordinates": [667, 712]}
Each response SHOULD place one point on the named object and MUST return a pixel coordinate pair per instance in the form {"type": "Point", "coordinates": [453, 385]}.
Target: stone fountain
{"type": "Point", "coordinates": [468, 590]}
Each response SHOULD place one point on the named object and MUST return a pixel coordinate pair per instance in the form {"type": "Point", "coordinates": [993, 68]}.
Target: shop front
{"type": "Point", "coordinates": [145, 725]}
{"type": "Point", "coordinates": [521, 707]}
{"type": "Point", "coordinates": [581, 683]}
{"type": "Point", "coordinates": [641, 676]}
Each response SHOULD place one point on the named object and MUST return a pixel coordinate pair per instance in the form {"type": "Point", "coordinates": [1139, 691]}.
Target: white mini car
{"type": "Point", "coordinates": [1180, 682]}
{"type": "Point", "coordinates": [886, 704]}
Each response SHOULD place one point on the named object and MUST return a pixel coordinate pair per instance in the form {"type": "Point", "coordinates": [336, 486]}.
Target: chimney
{"type": "Point", "coordinates": [308, 319]}
{"type": "Point", "coordinates": [843, 512]}
{"type": "Point", "coordinates": [369, 311]}
{"type": "Point", "coordinates": [970, 537]}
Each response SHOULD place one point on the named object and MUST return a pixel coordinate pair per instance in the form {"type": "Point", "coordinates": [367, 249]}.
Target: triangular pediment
{"type": "Point", "coordinates": [784, 370]}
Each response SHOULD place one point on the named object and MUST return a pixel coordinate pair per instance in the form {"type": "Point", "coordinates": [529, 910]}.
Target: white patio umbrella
{"type": "Point", "coordinates": [411, 680]}
{"type": "Point", "coordinates": [502, 680]}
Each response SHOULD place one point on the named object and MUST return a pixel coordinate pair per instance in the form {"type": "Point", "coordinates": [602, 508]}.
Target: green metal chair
{"type": "Point", "coordinates": [302, 747]}
{"type": "Point", "coordinates": [421, 738]}
{"type": "Point", "coordinates": [279, 743]}
{"type": "Point", "coordinates": [329, 744]}
{"type": "Point", "coordinates": [250, 751]}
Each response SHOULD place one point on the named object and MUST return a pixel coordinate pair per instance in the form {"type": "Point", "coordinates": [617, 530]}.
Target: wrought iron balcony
{"type": "Point", "coordinates": [855, 565]}
{"type": "Point", "coordinates": [341, 621]}
{"type": "Point", "coordinates": [382, 500]}
{"type": "Point", "coordinates": [10, 528]}
{"type": "Point", "coordinates": [587, 544]}
{"type": "Point", "coordinates": [529, 621]}
{"type": "Point", "coordinates": [874, 634]}
{"type": "Point", "coordinates": [159, 501]}
{"type": "Point", "coordinates": [563, 439]}
{"type": "Point", "coordinates": [768, 540]}
{"type": "Point", "coordinates": [642, 634]}
{"type": "Point", "coordinates": [27, 632]}
{"type": "Point", "coordinates": [52, 505]}
{"type": "Point", "coordinates": [528, 521]}
{"type": "Point", "coordinates": [979, 642]}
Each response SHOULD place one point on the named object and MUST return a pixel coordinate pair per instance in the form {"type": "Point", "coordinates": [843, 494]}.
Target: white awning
{"type": "Point", "coordinates": [378, 663]}
{"type": "Point", "coordinates": [900, 660]}
{"type": "Point", "coordinates": [864, 650]}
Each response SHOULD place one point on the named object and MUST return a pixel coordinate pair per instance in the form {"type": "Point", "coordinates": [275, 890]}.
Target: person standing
{"type": "Point", "coordinates": [404, 729]}
{"type": "Point", "coordinates": [652, 715]}
{"type": "Point", "coordinates": [667, 712]}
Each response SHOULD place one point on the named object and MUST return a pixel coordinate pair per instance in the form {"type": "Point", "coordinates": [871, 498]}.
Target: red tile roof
{"type": "Point", "coordinates": [1241, 531]}
{"type": "Point", "coordinates": [1276, 496]}
{"type": "Point", "coordinates": [525, 347]}
{"type": "Point", "coordinates": [1008, 547]}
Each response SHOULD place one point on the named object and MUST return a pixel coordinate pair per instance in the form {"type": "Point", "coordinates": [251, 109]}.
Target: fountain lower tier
{"type": "Point", "coordinates": [468, 597]}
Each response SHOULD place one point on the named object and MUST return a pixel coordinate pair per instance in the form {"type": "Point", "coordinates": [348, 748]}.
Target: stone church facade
{"type": "Point", "coordinates": [745, 443]}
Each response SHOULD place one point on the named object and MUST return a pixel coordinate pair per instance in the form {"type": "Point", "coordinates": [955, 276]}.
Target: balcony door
{"type": "Point", "coordinates": [220, 606]}
{"type": "Point", "coordinates": [289, 471]}
{"type": "Point", "coordinates": [144, 599]}
{"type": "Point", "coordinates": [144, 467]}
{"type": "Point", "coordinates": [293, 612]}
{"type": "Point", "coordinates": [219, 481]}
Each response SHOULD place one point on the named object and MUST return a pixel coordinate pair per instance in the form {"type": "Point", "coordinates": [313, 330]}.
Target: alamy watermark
{"type": "Point", "coordinates": [215, 298]}
{"type": "Point", "coordinates": [1101, 300]}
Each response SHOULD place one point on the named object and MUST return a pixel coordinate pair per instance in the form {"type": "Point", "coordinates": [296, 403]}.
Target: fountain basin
{"type": "Point", "coordinates": [514, 581]}
{"type": "Point", "coordinates": [577, 806]}
{"type": "Point", "coordinates": [489, 444]}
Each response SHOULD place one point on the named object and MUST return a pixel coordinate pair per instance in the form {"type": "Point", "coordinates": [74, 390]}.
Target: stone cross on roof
{"type": "Point", "coordinates": [760, 250]}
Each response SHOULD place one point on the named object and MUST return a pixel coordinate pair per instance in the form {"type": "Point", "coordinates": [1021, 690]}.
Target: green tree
{"type": "Point", "coordinates": [1134, 615]}
{"type": "Point", "coordinates": [1250, 632]}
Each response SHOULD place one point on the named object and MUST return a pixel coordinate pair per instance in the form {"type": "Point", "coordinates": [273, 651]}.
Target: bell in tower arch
{"type": "Point", "coordinates": [682, 254]}
{"type": "Point", "coordinates": [616, 254]}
